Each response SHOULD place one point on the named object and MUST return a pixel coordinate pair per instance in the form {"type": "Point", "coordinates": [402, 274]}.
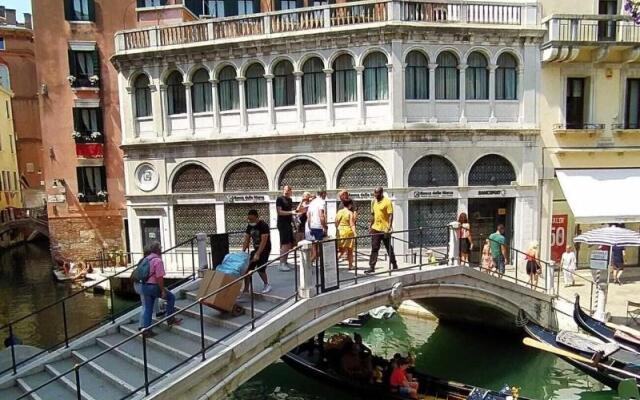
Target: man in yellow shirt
{"type": "Point", "coordinates": [381, 225]}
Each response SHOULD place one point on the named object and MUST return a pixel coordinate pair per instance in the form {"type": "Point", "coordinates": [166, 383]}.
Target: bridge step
{"type": "Point", "coordinates": [56, 390]}
{"type": "Point", "coordinates": [94, 385]}
{"type": "Point", "coordinates": [117, 368]}
{"type": "Point", "coordinates": [165, 341]}
{"type": "Point", "coordinates": [215, 317]}
{"type": "Point", "coordinates": [193, 296]}
{"type": "Point", "coordinates": [11, 392]}
{"type": "Point", "coordinates": [157, 359]}
{"type": "Point", "coordinates": [190, 329]}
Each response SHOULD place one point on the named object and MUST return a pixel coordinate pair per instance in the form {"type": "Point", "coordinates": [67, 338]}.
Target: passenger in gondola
{"type": "Point", "coordinates": [400, 383]}
{"type": "Point", "coordinates": [362, 348]}
{"type": "Point", "coordinates": [352, 365]}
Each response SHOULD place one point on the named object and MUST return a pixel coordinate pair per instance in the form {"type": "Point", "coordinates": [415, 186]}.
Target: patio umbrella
{"type": "Point", "coordinates": [610, 236]}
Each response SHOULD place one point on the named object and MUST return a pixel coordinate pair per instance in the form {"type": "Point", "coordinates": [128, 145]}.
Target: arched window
{"type": "Point", "coordinates": [344, 80]}
{"type": "Point", "coordinates": [256, 87]}
{"type": "Point", "coordinates": [376, 76]}
{"type": "Point", "coordinates": [302, 175]}
{"type": "Point", "coordinates": [228, 96]}
{"type": "Point", "coordinates": [176, 99]}
{"type": "Point", "coordinates": [5, 80]}
{"type": "Point", "coordinates": [142, 95]}
{"type": "Point", "coordinates": [416, 76]}
{"type": "Point", "coordinates": [313, 82]}
{"type": "Point", "coordinates": [447, 77]}
{"type": "Point", "coordinates": [362, 172]}
{"type": "Point", "coordinates": [433, 171]}
{"type": "Point", "coordinates": [192, 178]}
{"type": "Point", "coordinates": [477, 77]}
{"type": "Point", "coordinates": [491, 170]}
{"type": "Point", "coordinates": [284, 85]}
{"type": "Point", "coordinates": [201, 92]}
{"type": "Point", "coordinates": [245, 176]}
{"type": "Point", "coordinates": [507, 77]}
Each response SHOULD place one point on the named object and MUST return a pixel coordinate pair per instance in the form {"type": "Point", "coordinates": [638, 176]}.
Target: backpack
{"type": "Point", "coordinates": [142, 271]}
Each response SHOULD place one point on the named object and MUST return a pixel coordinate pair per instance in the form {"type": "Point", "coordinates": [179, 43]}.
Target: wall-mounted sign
{"type": "Point", "coordinates": [491, 193]}
{"type": "Point", "coordinates": [430, 194]}
{"type": "Point", "coordinates": [599, 259]}
{"type": "Point", "coordinates": [361, 195]}
{"type": "Point", "coordinates": [558, 236]}
{"type": "Point", "coordinates": [147, 177]}
{"type": "Point", "coordinates": [56, 198]}
{"type": "Point", "coordinates": [246, 198]}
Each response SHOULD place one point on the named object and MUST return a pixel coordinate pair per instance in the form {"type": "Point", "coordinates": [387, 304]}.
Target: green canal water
{"type": "Point", "coordinates": [466, 354]}
{"type": "Point", "coordinates": [461, 353]}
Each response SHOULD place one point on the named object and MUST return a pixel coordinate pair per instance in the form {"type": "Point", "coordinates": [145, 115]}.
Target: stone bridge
{"type": "Point", "coordinates": [177, 368]}
{"type": "Point", "coordinates": [36, 226]}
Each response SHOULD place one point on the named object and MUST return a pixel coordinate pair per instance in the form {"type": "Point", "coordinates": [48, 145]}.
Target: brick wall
{"type": "Point", "coordinates": [82, 239]}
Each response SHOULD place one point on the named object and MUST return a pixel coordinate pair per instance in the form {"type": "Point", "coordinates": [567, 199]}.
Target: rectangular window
{"type": "Point", "coordinates": [607, 29]}
{"type": "Point", "coordinates": [79, 10]}
{"type": "Point", "coordinates": [632, 111]}
{"type": "Point", "coordinates": [247, 7]}
{"type": "Point", "coordinates": [1, 43]}
{"type": "Point", "coordinates": [575, 111]}
{"type": "Point", "coordinates": [6, 103]}
{"type": "Point", "coordinates": [151, 3]}
{"type": "Point", "coordinates": [92, 184]}
{"type": "Point", "coordinates": [87, 122]}
{"type": "Point", "coordinates": [12, 144]}
{"type": "Point", "coordinates": [84, 68]}
{"type": "Point", "coordinates": [15, 181]}
{"type": "Point", "coordinates": [214, 8]}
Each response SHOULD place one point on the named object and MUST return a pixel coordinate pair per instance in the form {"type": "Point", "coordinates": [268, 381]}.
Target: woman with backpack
{"type": "Point", "coordinates": [150, 273]}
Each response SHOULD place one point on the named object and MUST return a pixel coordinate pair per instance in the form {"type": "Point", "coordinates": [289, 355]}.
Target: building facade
{"type": "Point", "coordinates": [435, 102]}
{"type": "Point", "coordinates": [9, 179]}
{"type": "Point", "coordinates": [79, 115]}
{"type": "Point", "coordinates": [17, 73]}
{"type": "Point", "coordinates": [589, 113]}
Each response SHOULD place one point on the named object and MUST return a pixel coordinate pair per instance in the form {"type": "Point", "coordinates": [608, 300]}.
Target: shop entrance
{"type": "Point", "coordinates": [484, 216]}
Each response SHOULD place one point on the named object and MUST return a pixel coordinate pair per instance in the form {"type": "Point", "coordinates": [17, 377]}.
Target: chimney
{"type": "Point", "coordinates": [10, 16]}
{"type": "Point", "coordinates": [27, 21]}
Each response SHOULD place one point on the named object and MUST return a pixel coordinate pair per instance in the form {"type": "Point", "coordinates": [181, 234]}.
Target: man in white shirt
{"type": "Point", "coordinates": [317, 218]}
{"type": "Point", "coordinates": [568, 264]}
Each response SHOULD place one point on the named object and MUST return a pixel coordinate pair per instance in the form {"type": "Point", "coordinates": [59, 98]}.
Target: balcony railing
{"type": "Point", "coordinates": [592, 29]}
{"type": "Point", "coordinates": [329, 16]}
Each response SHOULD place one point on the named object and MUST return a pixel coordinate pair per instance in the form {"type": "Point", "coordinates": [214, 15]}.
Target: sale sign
{"type": "Point", "coordinates": [558, 236]}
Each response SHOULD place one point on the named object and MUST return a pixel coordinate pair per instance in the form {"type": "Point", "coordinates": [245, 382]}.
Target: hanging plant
{"type": "Point", "coordinates": [632, 7]}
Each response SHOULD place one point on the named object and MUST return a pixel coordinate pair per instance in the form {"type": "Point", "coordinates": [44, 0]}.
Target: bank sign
{"type": "Point", "coordinates": [435, 194]}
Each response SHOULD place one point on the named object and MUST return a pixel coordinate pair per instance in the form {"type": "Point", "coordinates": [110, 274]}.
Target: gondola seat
{"type": "Point", "coordinates": [633, 311]}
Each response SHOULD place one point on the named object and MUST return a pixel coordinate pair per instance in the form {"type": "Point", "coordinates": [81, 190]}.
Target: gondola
{"type": "Point", "coordinates": [602, 330]}
{"type": "Point", "coordinates": [306, 360]}
{"type": "Point", "coordinates": [609, 366]}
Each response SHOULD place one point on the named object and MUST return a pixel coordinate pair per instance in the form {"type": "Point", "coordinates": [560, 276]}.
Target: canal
{"type": "Point", "coordinates": [466, 354]}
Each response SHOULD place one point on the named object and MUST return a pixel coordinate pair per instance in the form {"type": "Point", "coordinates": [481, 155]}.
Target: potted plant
{"type": "Point", "coordinates": [94, 79]}
{"type": "Point", "coordinates": [76, 135]}
{"type": "Point", "coordinates": [103, 195]}
{"type": "Point", "coordinates": [81, 196]}
{"type": "Point", "coordinates": [71, 79]}
{"type": "Point", "coordinates": [95, 136]}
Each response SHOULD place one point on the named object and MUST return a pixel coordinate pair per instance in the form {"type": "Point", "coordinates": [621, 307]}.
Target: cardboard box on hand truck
{"type": "Point", "coordinates": [224, 300]}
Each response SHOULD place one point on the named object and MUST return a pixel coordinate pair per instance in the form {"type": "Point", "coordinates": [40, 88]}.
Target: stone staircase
{"type": "Point", "coordinates": [120, 372]}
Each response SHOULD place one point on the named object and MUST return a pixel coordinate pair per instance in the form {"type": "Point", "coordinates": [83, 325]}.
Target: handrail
{"type": "Point", "coordinates": [142, 332]}
{"type": "Point", "coordinates": [62, 301]}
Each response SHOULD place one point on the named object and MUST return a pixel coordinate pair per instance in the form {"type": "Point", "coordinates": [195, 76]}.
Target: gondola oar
{"type": "Point", "coordinates": [551, 349]}
{"type": "Point", "coordinates": [624, 328]}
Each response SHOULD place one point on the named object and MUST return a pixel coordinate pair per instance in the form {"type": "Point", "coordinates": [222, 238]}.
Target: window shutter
{"type": "Point", "coordinates": [67, 10]}
{"type": "Point", "coordinates": [76, 119]}
{"type": "Point", "coordinates": [103, 179]}
{"type": "Point", "coordinates": [80, 179]}
{"type": "Point", "coordinates": [99, 119]}
{"type": "Point", "coordinates": [96, 62]}
{"type": "Point", "coordinates": [92, 10]}
{"type": "Point", "coordinates": [72, 63]}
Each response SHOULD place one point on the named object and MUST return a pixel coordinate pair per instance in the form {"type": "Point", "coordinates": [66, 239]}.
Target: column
{"type": "Point", "coordinates": [214, 105]}
{"type": "Point", "coordinates": [189, 101]}
{"type": "Point", "coordinates": [299, 102]}
{"type": "Point", "coordinates": [463, 84]}
{"type": "Point", "coordinates": [492, 93]}
{"type": "Point", "coordinates": [360, 93]}
{"type": "Point", "coordinates": [329, 95]}
{"type": "Point", "coordinates": [128, 120]}
{"type": "Point", "coordinates": [391, 95]}
{"type": "Point", "coordinates": [243, 103]}
{"type": "Point", "coordinates": [165, 111]}
{"type": "Point", "coordinates": [270, 105]}
{"type": "Point", "coordinates": [396, 80]}
{"type": "Point", "coordinates": [432, 92]}
{"type": "Point", "coordinates": [520, 88]}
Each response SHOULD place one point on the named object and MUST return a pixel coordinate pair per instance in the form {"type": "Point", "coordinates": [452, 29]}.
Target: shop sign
{"type": "Point", "coordinates": [329, 269]}
{"type": "Point", "coordinates": [361, 195]}
{"type": "Point", "coordinates": [246, 198]}
{"type": "Point", "coordinates": [56, 198]}
{"type": "Point", "coordinates": [430, 194]}
{"type": "Point", "coordinates": [558, 236]}
{"type": "Point", "coordinates": [599, 259]}
{"type": "Point", "coordinates": [492, 193]}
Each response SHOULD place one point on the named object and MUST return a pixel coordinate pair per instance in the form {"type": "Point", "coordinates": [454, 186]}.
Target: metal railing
{"type": "Point", "coordinates": [67, 336]}
{"type": "Point", "coordinates": [592, 29]}
{"type": "Point", "coordinates": [329, 16]}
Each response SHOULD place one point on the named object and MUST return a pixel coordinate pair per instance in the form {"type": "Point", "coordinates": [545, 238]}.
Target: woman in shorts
{"type": "Point", "coordinates": [533, 266]}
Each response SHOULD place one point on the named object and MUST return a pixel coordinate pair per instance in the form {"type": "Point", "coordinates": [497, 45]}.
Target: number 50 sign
{"type": "Point", "coordinates": [558, 236]}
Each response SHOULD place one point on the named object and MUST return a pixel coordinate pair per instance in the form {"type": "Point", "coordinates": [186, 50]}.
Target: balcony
{"type": "Point", "coordinates": [590, 129]}
{"type": "Point", "coordinates": [344, 16]}
{"type": "Point", "coordinates": [590, 38]}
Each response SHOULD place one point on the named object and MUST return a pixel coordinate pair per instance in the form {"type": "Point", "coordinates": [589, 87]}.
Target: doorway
{"type": "Point", "coordinates": [150, 228]}
{"type": "Point", "coordinates": [484, 217]}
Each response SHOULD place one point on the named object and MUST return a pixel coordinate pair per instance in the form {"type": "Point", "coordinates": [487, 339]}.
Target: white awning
{"type": "Point", "coordinates": [602, 195]}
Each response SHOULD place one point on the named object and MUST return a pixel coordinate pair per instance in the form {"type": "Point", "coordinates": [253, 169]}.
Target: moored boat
{"type": "Point", "coordinates": [308, 361]}
{"type": "Point", "coordinates": [603, 331]}
{"type": "Point", "coordinates": [603, 362]}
